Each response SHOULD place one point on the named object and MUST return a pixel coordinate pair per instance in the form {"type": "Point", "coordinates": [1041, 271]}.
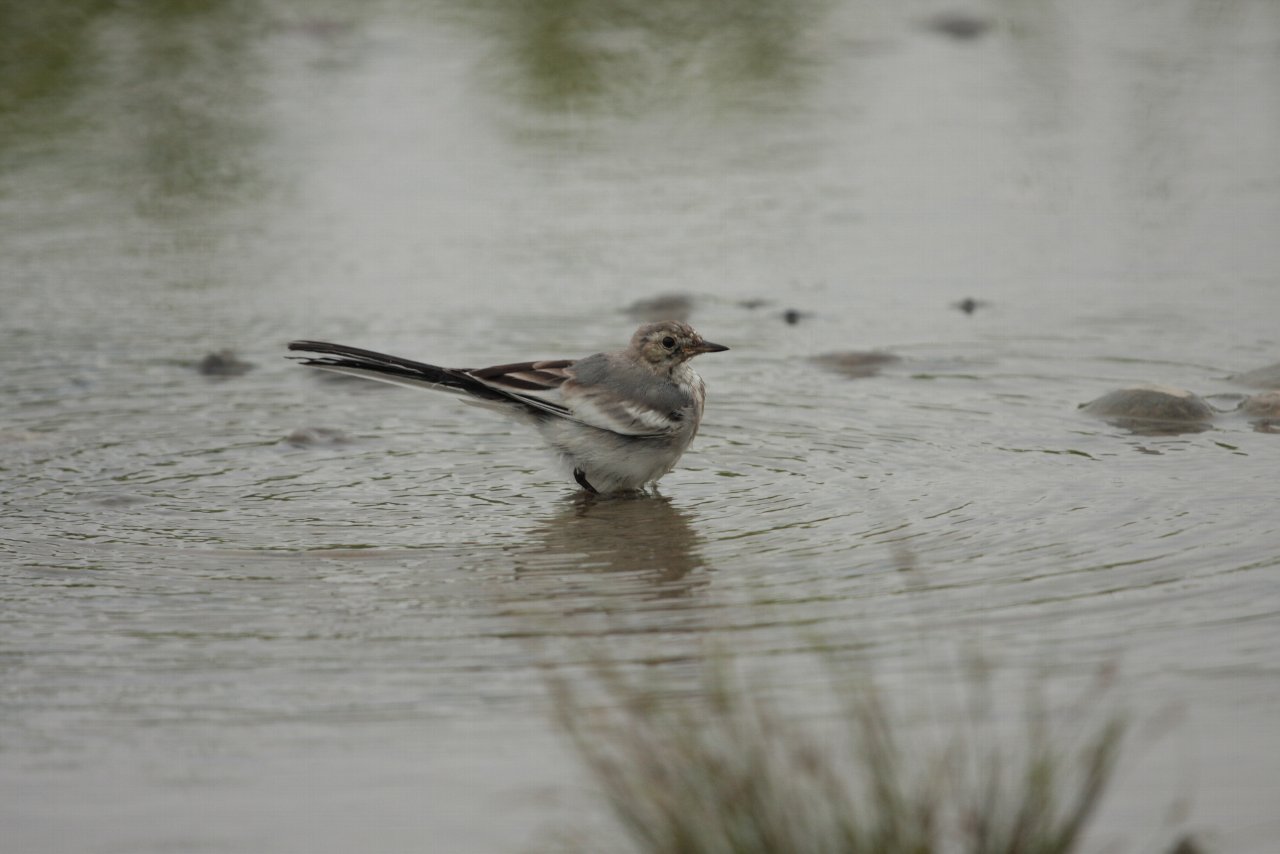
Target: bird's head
{"type": "Point", "coordinates": [670, 342]}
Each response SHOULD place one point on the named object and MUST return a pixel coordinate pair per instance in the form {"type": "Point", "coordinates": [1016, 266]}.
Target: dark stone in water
{"type": "Point", "coordinates": [1186, 845]}
{"type": "Point", "coordinates": [1268, 377]}
{"type": "Point", "coordinates": [120, 499]}
{"type": "Point", "coordinates": [962, 26]}
{"type": "Point", "coordinates": [1264, 405]}
{"type": "Point", "coordinates": [969, 305]}
{"type": "Point", "coordinates": [792, 316]}
{"type": "Point", "coordinates": [306, 437]}
{"type": "Point", "coordinates": [223, 363]}
{"type": "Point", "coordinates": [662, 307]}
{"type": "Point", "coordinates": [856, 364]}
{"type": "Point", "coordinates": [1153, 410]}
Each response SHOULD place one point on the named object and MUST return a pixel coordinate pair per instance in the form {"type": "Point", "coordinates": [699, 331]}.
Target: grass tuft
{"type": "Point", "coordinates": [722, 771]}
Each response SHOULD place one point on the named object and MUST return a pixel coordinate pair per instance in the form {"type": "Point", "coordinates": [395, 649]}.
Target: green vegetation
{"type": "Point", "coordinates": [724, 771]}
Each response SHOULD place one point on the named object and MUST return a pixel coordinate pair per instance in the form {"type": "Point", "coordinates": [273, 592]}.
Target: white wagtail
{"type": "Point", "coordinates": [619, 420]}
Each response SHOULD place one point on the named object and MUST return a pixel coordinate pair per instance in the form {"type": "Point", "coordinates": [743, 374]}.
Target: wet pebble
{"type": "Point", "coordinates": [307, 437]}
{"type": "Point", "coordinates": [856, 364]}
{"type": "Point", "coordinates": [1153, 409]}
{"type": "Point", "coordinates": [120, 499]}
{"type": "Point", "coordinates": [958, 25]}
{"type": "Point", "coordinates": [223, 363]}
{"type": "Point", "coordinates": [969, 305]}
{"type": "Point", "coordinates": [792, 316]}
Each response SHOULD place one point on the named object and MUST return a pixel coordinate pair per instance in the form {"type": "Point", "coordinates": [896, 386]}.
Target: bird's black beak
{"type": "Point", "coordinates": [708, 347]}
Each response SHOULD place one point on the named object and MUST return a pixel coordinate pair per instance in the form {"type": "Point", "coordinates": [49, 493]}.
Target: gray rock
{"type": "Point", "coordinates": [1153, 409]}
{"type": "Point", "coordinates": [223, 363]}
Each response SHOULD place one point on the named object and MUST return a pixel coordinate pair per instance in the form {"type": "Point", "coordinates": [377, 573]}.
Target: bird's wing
{"type": "Point", "coordinates": [601, 406]}
{"type": "Point", "coordinates": [536, 385]}
{"type": "Point", "coordinates": [555, 386]}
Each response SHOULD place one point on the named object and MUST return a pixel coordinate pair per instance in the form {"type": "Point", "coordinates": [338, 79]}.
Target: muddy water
{"type": "Point", "coordinates": [268, 610]}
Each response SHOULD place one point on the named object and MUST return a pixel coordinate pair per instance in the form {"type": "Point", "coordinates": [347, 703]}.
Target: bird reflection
{"type": "Point", "coordinates": [642, 535]}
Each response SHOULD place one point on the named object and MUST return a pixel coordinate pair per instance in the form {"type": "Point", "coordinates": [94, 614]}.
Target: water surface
{"type": "Point", "coordinates": [215, 638]}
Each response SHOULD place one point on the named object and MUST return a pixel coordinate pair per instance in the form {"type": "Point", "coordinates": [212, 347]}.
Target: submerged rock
{"type": "Point", "coordinates": [306, 437]}
{"type": "Point", "coordinates": [856, 364]}
{"type": "Point", "coordinates": [1153, 410]}
{"type": "Point", "coordinates": [959, 25]}
{"type": "Point", "coordinates": [969, 305]}
{"type": "Point", "coordinates": [662, 307]}
{"type": "Point", "coordinates": [223, 363]}
{"type": "Point", "coordinates": [120, 499]}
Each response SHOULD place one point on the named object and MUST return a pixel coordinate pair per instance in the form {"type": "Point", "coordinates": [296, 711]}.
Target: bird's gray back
{"type": "Point", "coordinates": [622, 376]}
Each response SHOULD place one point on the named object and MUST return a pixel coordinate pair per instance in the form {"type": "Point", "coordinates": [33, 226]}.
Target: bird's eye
{"type": "Point", "coordinates": [669, 342]}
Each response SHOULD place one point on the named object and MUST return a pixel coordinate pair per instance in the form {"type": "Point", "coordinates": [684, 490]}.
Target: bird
{"type": "Point", "coordinates": [618, 420]}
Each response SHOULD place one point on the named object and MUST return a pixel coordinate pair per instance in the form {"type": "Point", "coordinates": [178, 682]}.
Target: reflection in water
{"type": "Point", "coordinates": [40, 44]}
{"type": "Point", "coordinates": [1109, 184]}
{"type": "Point", "coordinates": [187, 74]}
{"type": "Point", "coordinates": [585, 54]}
{"type": "Point", "coordinates": [642, 535]}
{"type": "Point", "coordinates": [170, 84]}
{"type": "Point", "coordinates": [1169, 70]}
{"type": "Point", "coordinates": [1152, 427]}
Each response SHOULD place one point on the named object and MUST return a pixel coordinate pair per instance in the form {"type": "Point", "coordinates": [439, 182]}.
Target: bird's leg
{"type": "Point", "coordinates": [581, 477]}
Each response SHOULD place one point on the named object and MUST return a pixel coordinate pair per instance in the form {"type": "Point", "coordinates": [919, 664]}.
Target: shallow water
{"type": "Point", "coordinates": [217, 638]}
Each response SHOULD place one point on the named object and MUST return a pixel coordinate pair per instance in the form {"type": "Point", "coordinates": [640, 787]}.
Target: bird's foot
{"type": "Point", "coordinates": [581, 477]}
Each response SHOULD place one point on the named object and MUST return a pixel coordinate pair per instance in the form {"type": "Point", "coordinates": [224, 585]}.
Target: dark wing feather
{"type": "Point", "coordinates": [543, 376]}
{"type": "Point", "coordinates": [555, 386]}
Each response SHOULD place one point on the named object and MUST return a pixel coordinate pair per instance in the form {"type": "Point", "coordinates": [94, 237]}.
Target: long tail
{"type": "Point", "coordinates": [393, 369]}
